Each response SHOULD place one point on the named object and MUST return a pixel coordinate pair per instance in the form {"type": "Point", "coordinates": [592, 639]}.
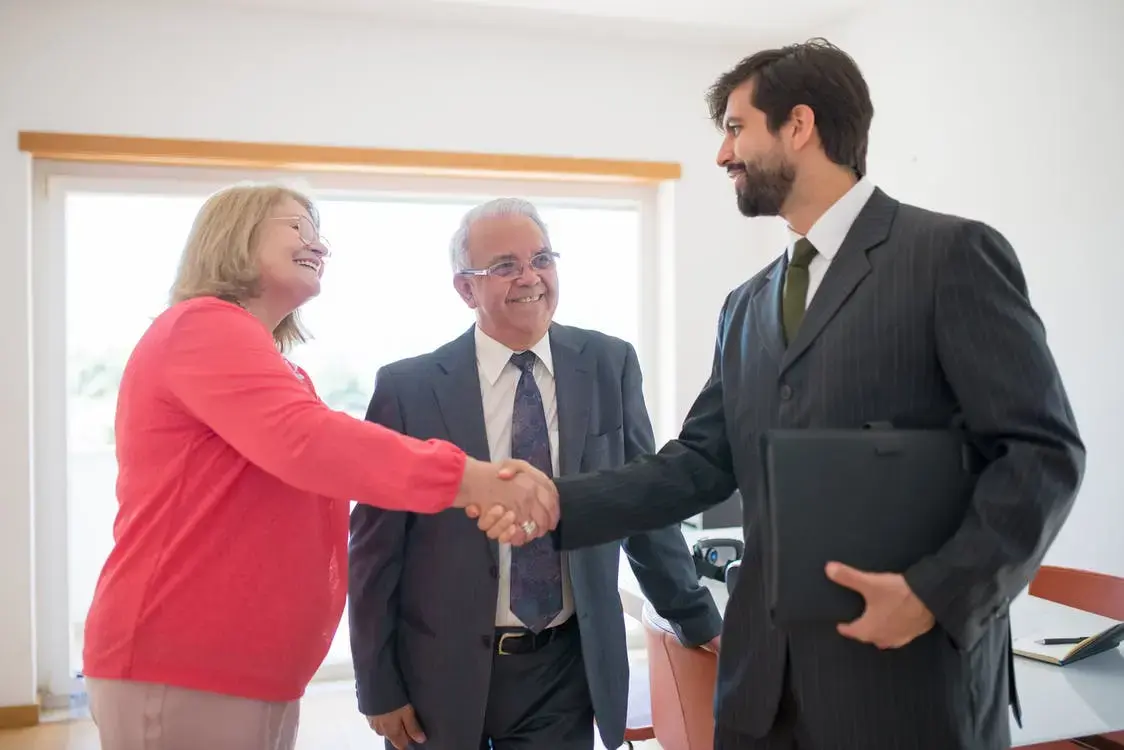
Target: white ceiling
{"type": "Point", "coordinates": [744, 21]}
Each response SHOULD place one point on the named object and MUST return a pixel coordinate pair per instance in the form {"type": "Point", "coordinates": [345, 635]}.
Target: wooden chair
{"type": "Point", "coordinates": [1098, 593]}
{"type": "Point", "coordinates": [683, 681]}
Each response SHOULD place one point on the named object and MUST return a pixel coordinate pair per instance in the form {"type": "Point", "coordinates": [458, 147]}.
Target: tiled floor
{"type": "Point", "coordinates": [329, 721]}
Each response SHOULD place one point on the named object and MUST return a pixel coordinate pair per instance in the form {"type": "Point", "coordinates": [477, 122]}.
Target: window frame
{"type": "Point", "coordinates": [52, 180]}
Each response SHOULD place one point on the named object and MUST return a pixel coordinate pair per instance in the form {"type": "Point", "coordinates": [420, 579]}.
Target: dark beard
{"type": "Point", "coordinates": [766, 189]}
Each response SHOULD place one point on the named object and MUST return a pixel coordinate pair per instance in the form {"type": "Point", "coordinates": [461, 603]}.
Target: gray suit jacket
{"type": "Point", "coordinates": [919, 315]}
{"type": "Point", "coordinates": [423, 588]}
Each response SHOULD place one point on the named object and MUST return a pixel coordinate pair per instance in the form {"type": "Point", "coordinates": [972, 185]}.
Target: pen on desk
{"type": "Point", "coordinates": [1059, 641]}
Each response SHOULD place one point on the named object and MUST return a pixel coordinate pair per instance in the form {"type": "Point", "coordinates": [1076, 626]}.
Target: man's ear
{"type": "Point", "coordinates": [464, 289]}
{"type": "Point", "coordinates": [802, 126]}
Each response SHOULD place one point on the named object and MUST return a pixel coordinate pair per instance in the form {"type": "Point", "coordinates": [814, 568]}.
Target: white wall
{"type": "Point", "coordinates": [1009, 111]}
{"type": "Point", "coordinates": [261, 76]}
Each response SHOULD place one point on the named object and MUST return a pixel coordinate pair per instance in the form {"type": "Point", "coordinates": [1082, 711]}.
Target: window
{"type": "Point", "coordinates": [110, 243]}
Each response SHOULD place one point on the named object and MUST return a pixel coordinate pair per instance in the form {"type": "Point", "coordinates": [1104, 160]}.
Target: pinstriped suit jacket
{"type": "Point", "coordinates": [919, 314]}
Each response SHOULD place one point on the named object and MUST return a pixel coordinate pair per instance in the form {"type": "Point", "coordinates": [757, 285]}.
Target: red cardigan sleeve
{"type": "Point", "coordinates": [224, 368]}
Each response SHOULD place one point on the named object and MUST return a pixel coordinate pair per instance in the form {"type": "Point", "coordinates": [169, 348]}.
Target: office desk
{"type": "Point", "coordinates": [1058, 703]}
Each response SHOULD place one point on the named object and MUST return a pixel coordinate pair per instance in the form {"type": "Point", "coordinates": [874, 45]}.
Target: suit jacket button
{"type": "Point", "coordinates": [786, 392]}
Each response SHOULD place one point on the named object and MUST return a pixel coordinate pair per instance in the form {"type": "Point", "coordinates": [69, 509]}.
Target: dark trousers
{"type": "Point", "coordinates": [539, 700]}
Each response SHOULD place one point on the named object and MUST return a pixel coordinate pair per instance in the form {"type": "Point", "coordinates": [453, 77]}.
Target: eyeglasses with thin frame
{"type": "Point", "coordinates": [308, 233]}
{"type": "Point", "coordinates": [510, 269]}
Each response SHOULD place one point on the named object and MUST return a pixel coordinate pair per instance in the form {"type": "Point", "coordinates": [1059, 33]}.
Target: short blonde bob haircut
{"type": "Point", "coordinates": [219, 257]}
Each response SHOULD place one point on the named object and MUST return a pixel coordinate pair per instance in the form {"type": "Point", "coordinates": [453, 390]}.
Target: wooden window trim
{"type": "Point", "coordinates": [112, 149]}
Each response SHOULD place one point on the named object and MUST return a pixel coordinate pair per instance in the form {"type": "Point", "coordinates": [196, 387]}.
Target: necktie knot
{"type": "Point", "coordinates": [525, 361]}
{"type": "Point", "coordinates": [802, 253]}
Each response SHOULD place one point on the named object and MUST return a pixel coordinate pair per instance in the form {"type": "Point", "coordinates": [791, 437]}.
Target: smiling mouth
{"type": "Point", "coordinates": [308, 263]}
{"type": "Point", "coordinates": [527, 300]}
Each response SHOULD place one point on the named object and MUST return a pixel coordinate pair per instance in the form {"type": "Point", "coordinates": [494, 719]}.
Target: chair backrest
{"type": "Point", "coordinates": [683, 681]}
{"type": "Point", "coordinates": [1099, 593]}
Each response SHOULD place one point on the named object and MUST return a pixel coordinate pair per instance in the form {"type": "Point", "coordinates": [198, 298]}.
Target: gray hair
{"type": "Point", "coordinates": [458, 247]}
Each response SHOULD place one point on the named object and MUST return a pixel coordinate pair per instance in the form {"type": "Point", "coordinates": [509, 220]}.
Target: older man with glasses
{"type": "Point", "coordinates": [459, 642]}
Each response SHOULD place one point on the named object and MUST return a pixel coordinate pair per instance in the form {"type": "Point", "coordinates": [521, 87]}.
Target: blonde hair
{"type": "Point", "coordinates": [218, 259]}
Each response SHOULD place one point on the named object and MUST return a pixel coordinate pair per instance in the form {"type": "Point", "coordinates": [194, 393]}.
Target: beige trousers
{"type": "Point", "coordinates": [145, 716]}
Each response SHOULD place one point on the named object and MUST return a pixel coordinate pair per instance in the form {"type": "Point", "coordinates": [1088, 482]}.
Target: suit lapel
{"type": "Point", "coordinates": [765, 311]}
{"type": "Point", "coordinates": [457, 389]}
{"type": "Point", "coordinates": [573, 380]}
{"type": "Point", "coordinates": [849, 268]}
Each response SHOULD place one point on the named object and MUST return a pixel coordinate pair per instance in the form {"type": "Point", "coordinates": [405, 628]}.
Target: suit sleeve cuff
{"type": "Point", "coordinates": [377, 696]}
{"type": "Point", "coordinates": [701, 629]}
{"type": "Point", "coordinates": [932, 583]}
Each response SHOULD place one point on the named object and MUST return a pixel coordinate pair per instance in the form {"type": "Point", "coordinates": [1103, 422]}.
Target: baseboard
{"type": "Point", "coordinates": [18, 717]}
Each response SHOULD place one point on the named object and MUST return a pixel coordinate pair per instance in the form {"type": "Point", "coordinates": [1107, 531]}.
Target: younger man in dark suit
{"type": "Point", "coordinates": [877, 311]}
{"type": "Point", "coordinates": [458, 641]}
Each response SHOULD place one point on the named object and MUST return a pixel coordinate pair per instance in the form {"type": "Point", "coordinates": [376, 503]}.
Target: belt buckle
{"type": "Point", "coordinates": [504, 637]}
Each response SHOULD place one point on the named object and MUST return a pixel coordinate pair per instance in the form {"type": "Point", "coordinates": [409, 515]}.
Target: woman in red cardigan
{"type": "Point", "coordinates": [228, 574]}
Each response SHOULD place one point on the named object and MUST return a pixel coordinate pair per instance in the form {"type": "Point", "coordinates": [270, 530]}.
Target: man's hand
{"type": "Point", "coordinates": [508, 498]}
{"type": "Point", "coordinates": [894, 615]}
{"type": "Point", "coordinates": [400, 727]}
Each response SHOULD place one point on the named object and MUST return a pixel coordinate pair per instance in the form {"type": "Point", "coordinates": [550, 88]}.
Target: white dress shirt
{"type": "Point", "coordinates": [498, 380]}
{"type": "Point", "coordinates": [827, 234]}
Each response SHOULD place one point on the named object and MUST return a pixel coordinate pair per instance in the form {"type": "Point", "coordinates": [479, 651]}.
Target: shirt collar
{"type": "Point", "coordinates": [492, 356]}
{"type": "Point", "coordinates": [829, 231]}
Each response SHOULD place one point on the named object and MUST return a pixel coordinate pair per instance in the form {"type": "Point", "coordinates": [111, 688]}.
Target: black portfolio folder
{"type": "Point", "coordinates": [878, 499]}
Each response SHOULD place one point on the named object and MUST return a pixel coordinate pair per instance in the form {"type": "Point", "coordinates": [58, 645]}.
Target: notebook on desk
{"type": "Point", "coordinates": [876, 499]}
{"type": "Point", "coordinates": [1101, 634]}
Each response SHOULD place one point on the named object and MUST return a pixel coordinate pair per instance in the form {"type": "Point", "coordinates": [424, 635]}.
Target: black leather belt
{"type": "Point", "coordinates": [514, 641]}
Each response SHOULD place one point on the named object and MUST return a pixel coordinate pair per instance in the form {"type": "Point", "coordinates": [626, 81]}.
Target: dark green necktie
{"type": "Point", "coordinates": [796, 287]}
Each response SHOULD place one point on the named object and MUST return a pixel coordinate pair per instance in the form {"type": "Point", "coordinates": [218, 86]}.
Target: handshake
{"type": "Point", "coordinates": [514, 501]}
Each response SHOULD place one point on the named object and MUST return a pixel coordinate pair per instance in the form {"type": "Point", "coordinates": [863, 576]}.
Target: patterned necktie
{"type": "Point", "coordinates": [536, 567]}
{"type": "Point", "coordinates": [796, 287]}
